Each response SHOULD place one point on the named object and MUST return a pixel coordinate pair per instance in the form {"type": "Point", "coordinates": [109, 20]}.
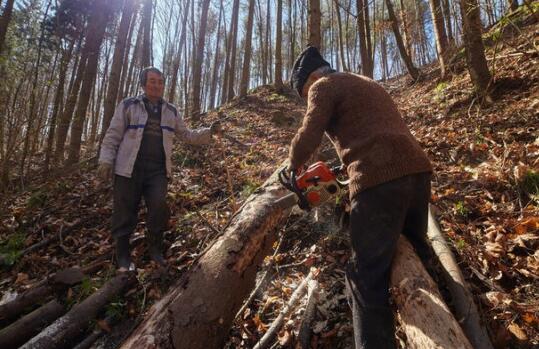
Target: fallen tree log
{"type": "Point", "coordinates": [199, 310]}
{"type": "Point", "coordinates": [462, 300]}
{"type": "Point", "coordinates": [29, 325]}
{"type": "Point", "coordinates": [40, 293]}
{"type": "Point", "coordinates": [60, 333]}
{"type": "Point", "coordinates": [426, 320]}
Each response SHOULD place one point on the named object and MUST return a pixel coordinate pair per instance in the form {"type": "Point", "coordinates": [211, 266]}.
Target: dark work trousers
{"type": "Point", "coordinates": [148, 180]}
{"type": "Point", "coordinates": [378, 216]}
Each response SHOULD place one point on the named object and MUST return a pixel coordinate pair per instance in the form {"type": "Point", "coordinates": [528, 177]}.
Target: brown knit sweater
{"type": "Point", "coordinates": [365, 127]}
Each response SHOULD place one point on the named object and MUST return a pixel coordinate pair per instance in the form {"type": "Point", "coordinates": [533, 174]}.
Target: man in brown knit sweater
{"type": "Point", "coordinates": [389, 182]}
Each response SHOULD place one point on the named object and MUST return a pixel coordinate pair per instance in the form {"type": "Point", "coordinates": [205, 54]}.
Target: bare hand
{"type": "Point", "coordinates": [104, 172]}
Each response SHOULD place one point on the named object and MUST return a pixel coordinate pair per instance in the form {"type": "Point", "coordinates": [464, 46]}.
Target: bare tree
{"type": "Point", "coordinates": [473, 43]}
{"type": "Point", "coordinates": [197, 68]}
{"type": "Point", "coordinates": [278, 43]}
{"type": "Point", "coordinates": [315, 39]}
{"type": "Point", "coordinates": [117, 64]}
{"type": "Point", "coordinates": [412, 70]}
{"type": "Point", "coordinates": [439, 33]}
{"type": "Point", "coordinates": [245, 74]}
{"type": "Point", "coordinates": [4, 22]}
{"type": "Point", "coordinates": [96, 31]}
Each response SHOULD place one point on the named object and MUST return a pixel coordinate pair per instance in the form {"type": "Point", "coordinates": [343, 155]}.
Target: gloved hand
{"type": "Point", "coordinates": [104, 172]}
{"type": "Point", "coordinates": [216, 128]}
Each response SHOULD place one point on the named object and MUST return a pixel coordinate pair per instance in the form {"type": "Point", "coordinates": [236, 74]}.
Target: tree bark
{"type": "Point", "coordinates": [117, 66]}
{"type": "Point", "coordinates": [58, 98]}
{"type": "Point", "coordinates": [245, 74]}
{"type": "Point", "coordinates": [473, 43]}
{"type": "Point", "coordinates": [146, 27]}
{"type": "Point", "coordinates": [439, 33]}
{"type": "Point", "coordinates": [412, 70]}
{"type": "Point", "coordinates": [315, 39]}
{"type": "Point", "coordinates": [4, 22]}
{"type": "Point", "coordinates": [216, 61]}
{"type": "Point", "coordinates": [278, 46]}
{"type": "Point", "coordinates": [425, 319]}
{"type": "Point", "coordinates": [177, 58]}
{"type": "Point", "coordinates": [342, 57]}
{"type": "Point", "coordinates": [60, 333]}
{"type": "Point", "coordinates": [366, 60]}
{"type": "Point", "coordinates": [232, 51]}
{"type": "Point", "coordinates": [96, 32]}
{"type": "Point", "coordinates": [199, 310]}
{"type": "Point", "coordinates": [197, 69]}
{"type": "Point", "coordinates": [28, 326]}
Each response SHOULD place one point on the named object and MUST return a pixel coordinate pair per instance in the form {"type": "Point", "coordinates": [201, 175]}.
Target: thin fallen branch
{"type": "Point", "coordinates": [305, 329]}
{"type": "Point", "coordinates": [465, 309]}
{"type": "Point", "coordinates": [270, 334]}
{"type": "Point", "coordinates": [65, 329]}
{"type": "Point", "coordinates": [29, 325]}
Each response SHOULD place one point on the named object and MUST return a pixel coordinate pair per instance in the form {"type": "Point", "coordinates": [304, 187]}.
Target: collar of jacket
{"type": "Point", "coordinates": [143, 98]}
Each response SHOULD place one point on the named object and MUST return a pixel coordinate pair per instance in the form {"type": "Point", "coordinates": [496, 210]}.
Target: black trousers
{"type": "Point", "coordinates": [150, 181]}
{"type": "Point", "coordinates": [378, 216]}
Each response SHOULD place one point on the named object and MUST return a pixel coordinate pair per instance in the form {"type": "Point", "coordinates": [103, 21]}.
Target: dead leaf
{"type": "Point", "coordinates": [517, 331]}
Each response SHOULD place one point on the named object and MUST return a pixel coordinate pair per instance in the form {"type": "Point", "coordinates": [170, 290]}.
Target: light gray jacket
{"type": "Point", "coordinates": [124, 135]}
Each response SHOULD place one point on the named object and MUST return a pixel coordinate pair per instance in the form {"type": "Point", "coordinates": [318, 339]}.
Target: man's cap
{"type": "Point", "coordinates": [308, 61]}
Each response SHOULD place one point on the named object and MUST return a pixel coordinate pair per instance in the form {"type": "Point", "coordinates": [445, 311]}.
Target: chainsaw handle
{"type": "Point", "coordinates": [290, 183]}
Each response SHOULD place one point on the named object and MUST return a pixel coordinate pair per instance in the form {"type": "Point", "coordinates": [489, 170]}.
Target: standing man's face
{"type": "Point", "coordinates": [155, 86]}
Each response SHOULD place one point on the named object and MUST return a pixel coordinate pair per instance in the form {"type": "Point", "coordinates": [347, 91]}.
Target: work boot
{"type": "Point", "coordinates": [123, 253]}
{"type": "Point", "coordinates": [155, 247]}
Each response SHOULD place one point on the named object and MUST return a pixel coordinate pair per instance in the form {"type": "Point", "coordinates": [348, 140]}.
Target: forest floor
{"type": "Point", "coordinates": [485, 191]}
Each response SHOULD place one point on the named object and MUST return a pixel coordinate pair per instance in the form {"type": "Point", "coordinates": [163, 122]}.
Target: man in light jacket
{"type": "Point", "coordinates": [136, 149]}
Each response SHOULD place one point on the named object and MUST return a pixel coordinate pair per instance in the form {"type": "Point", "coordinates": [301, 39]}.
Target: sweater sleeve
{"type": "Point", "coordinates": [320, 108]}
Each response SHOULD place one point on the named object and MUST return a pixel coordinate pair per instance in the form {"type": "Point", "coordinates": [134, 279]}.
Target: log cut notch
{"type": "Point", "coordinates": [199, 310]}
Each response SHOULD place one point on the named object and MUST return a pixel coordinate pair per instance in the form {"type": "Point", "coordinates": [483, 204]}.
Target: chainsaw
{"type": "Point", "coordinates": [311, 187]}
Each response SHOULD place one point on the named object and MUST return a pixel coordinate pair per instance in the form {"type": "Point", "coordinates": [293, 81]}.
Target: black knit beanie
{"type": "Point", "coordinates": [307, 62]}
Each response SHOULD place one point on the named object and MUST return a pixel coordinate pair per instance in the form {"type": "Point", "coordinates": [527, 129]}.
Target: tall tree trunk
{"type": "Point", "coordinates": [216, 61]}
{"type": "Point", "coordinates": [117, 66]}
{"type": "Point", "coordinates": [315, 39]}
{"type": "Point", "coordinates": [58, 98]}
{"type": "Point", "coordinates": [67, 115]}
{"type": "Point", "coordinates": [147, 28]}
{"type": "Point", "coordinates": [125, 62]}
{"type": "Point", "coordinates": [245, 74]}
{"type": "Point", "coordinates": [262, 44]}
{"type": "Point", "coordinates": [473, 43]}
{"type": "Point", "coordinates": [176, 64]}
{"type": "Point", "coordinates": [33, 96]}
{"type": "Point", "coordinates": [197, 69]}
{"type": "Point", "coordinates": [278, 43]}
{"type": "Point", "coordinates": [4, 22]}
{"type": "Point", "coordinates": [449, 28]}
{"type": "Point", "coordinates": [96, 31]}
{"type": "Point", "coordinates": [340, 41]}
{"type": "Point", "coordinates": [232, 50]}
{"type": "Point", "coordinates": [407, 60]}
{"type": "Point", "coordinates": [406, 38]}
{"type": "Point", "coordinates": [366, 60]}
{"type": "Point", "coordinates": [439, 33]}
